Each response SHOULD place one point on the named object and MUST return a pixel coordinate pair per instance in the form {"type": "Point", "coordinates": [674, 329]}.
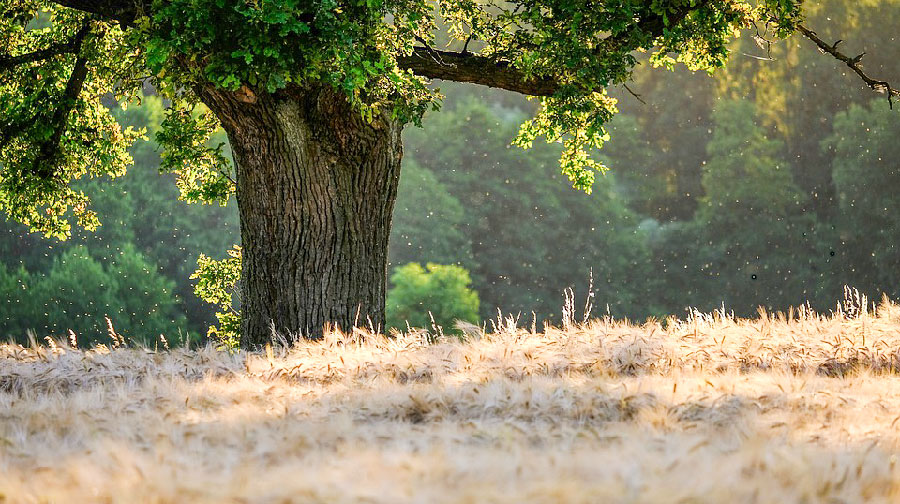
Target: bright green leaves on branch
{"type": "Point", "coordinates": [55, 64]}
{"type": "Point", "coordinates": [204, 171]}
{"type": "Point", "coordinates": [217, 283]}
{"type": "Point", "coordinates": [578, 123]}
{"type": "Point", "coordinates": [271, 44]}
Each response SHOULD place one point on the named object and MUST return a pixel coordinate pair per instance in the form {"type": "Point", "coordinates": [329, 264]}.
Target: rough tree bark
{"type": "Point", "coordinates": [316, 186]}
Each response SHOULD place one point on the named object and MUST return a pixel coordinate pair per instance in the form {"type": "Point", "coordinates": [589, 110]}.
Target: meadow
{"type": "Point", "coordinates": [791, 407]}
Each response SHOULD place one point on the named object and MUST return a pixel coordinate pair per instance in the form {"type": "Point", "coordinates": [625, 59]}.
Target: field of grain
{"type": "Point", "coordinates": [790, 408]}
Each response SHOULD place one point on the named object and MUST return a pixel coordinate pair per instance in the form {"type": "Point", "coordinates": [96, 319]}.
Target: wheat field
{"type": "Point", "coordinates": [795, 407]}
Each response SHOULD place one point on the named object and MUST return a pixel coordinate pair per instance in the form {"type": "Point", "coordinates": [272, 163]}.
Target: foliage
{"type": "Point", "coordinates": [54, 128]}
{"type": "Point", "coordinates": [79, 292]}
{"type": "Point", "coordinates": [866, 178]}
{"type": "Point", "coordinates": [436, 295]}
{"type": "Point", "coordinates": [217, 283]}
{"type": "Point", "coordinates": [750, 242]}
{"type": "Point", "coordinates": [204, 171]}
{"type": "Point", "coordinates": [528, 236]}
{"type": "Point", "coordinates": [16, 301]}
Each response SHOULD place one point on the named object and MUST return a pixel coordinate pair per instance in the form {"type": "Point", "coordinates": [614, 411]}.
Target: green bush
{"type": "Point", "coordinates": [441, 290]}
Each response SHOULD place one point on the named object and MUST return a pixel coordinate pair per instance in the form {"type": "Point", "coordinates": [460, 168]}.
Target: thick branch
{"type": "Point", "coordinates": [49, 149]}
{"type": "Point", "coordinates": [70, 47]}
{"type": "Point", "coordinates": [877, 85]}
{"type": "Point", "coordinates": [123, 11]}
{"type": "Point", "coordinates": [468, 67]}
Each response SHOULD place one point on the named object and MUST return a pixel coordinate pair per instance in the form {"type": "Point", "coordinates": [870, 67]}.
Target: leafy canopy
{"type": "Point", "coordinates": [61, 67]}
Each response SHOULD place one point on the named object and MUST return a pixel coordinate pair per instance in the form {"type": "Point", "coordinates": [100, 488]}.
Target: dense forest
{"type": "Point", "coordinates": [771, 184]}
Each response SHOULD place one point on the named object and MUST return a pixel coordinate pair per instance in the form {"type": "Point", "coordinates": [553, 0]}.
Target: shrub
{"type": "Point", "coordinates": [441, 290]}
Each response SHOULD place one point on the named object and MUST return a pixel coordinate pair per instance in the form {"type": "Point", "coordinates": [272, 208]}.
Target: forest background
{"type": "Point", "coordinates": [773, 183]}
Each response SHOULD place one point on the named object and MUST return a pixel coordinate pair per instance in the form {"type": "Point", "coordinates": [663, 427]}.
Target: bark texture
{"type": "Point", "coordinates": [316, 186]}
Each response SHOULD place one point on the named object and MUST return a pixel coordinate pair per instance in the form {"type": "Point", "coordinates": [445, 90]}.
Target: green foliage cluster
{"type": "Point", "coordinates": [271, 44]}
{"type": "Point", "coordinates": [217, 283]}
{"type": "Point", "coordinates": [434, 297]}
{"type": "Point", "coordinates": [185, 135]}
{"type": "Point", "coordinates": [50, 136]}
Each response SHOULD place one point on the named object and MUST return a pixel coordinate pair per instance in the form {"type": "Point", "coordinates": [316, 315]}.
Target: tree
{"type": "Point", "coordinates": [313, 97]}
{"type": "Point", "coordinates": [750, 242]}
{"type": "Point", "coordinates": [78, 292]}
{"type": "Point", "coordinates": [427, 220]}
{"type": "Point", "coordinates": [866, 177]}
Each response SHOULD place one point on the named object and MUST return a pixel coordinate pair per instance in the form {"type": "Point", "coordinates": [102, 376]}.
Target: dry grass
{"type": "Point", "coordinates": [709, 409]}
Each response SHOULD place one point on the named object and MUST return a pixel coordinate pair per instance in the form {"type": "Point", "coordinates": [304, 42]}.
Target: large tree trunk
{"type": "Point", "coordinates": [316, 186]}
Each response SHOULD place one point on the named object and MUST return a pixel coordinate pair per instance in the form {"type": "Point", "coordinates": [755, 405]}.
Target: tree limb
{"type": "Point", "coordinates": [468, 67]}
{"type": "Point", "coordinates": [123, 11]}
{"type": "Point", "coordinates": [70, 47]}
{"type": "Point", "coordinates": [875, 84]}
{"type": "Point", "coordinates": [11, 130]}
{"type": "Point", "coordinates": [49, 150]}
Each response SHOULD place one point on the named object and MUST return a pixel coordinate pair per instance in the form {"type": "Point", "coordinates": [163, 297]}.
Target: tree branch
{"type": "Point", "coordinates": [71, 47]}
{"type": "Point", "coordinates": [468, 67]}
{"type": "Point", "coordinates": [7, 61]}
{"type": "Point", "coordinates": [123, 11]}
{"type": "Point", "coordinates": [44, 163]}
{"type": "Point", "coordinates": [12, 129]}
{"type": "Point", "coordinates": [875, 84]}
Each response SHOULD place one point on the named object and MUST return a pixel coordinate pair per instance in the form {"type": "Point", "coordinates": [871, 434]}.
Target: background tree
{"type": "Point", "coordinates": [751, 243]}
{"type": "Point", "coordinates": [78, 293]}
{"type": "Point", "coordinates": [866, 175]}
